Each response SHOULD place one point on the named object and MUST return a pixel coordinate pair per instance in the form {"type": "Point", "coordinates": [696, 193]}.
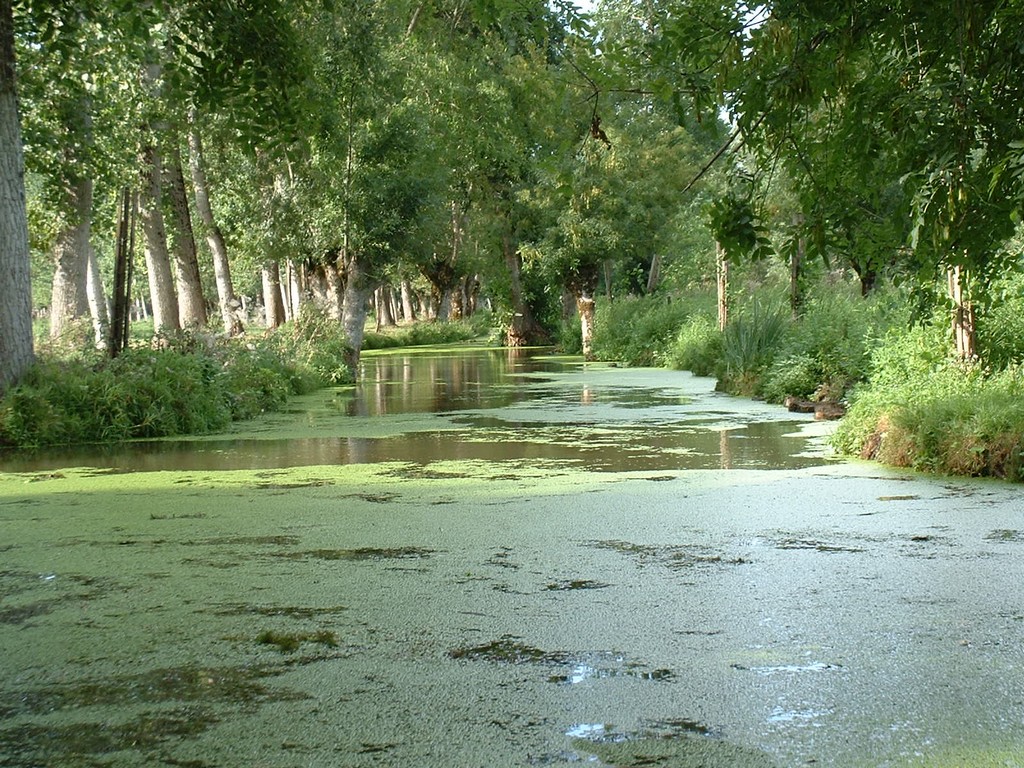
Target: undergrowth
{"type": "Point", "coordinates": [924, 409]}
{"type": "Point", "coordinates": [187, 383]}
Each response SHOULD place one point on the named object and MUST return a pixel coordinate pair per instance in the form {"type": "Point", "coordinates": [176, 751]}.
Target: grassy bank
{"type": "Point", "coordinates": [189, 383]}
{"type": "Point", "coordinates": [910, 403]}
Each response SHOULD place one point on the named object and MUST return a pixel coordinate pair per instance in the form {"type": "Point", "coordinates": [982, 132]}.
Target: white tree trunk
{"type": "Point", "coordinates": [98, 308]}
{"type": "Point", "coordinates": [964, 322]}
{"type": "Point", "coordinates": [68, 298]}
{"type": "Point", "coordinates": [335, 292]}
{"type": "Point", "coordinates": [214, 237]}
{"type": "Point", "coordinates": [585, 306]}
{"type": "Point", "coordinates": [16, 352]}
{"type": "Point", "coordinates": [408, 311]}
{"type": "Point", "coordinates": [191, 304]}
{"type": "Point", "coordinates": [722, 275]}
{"type": "Point", "coordinates": [272, 305]}
{"type": "Point", "coordinates": [158, 259]}
{"type": "Point", "coordinates": [353, 317]}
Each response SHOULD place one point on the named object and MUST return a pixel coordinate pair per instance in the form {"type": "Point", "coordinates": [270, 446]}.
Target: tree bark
{"type": "Point", "coordinates": [722, 280]}
{"type": "Point", "coordinates": [158, 259]}
{"type": "Point", "coordinates": [335, 291]}
{"type": "Point", "coordinates": [654, 276]}
{"type": "Point", "coordinates": [523, 331]}
{"type": "Point", "coordinates": [226, 299]}
{"type": "Point", "coordinates": [385, 313]}
{"type": "Point", "coordinates": [585, 307]}
{"type": "Point", "coordinates": [963, 314]}
{"type": "Point", "coordinates": [796, 282]}
{"type": "Point", "coordinates": [16, 353]}
{"type": "Point", "coordinates": [121, 319]}
{"type": "Point", "coordinates": [353, 318]}
{"type": "Point", "coordinates": [98, 309]}
{"type": "Point", "coordinates": [68, 298]}
{"type": "Point", "coordinates": [408, 310]}
{"type": "Point", "coordinates": [272, 304]}
{"type": "Point", "coordinates": [191, 304]}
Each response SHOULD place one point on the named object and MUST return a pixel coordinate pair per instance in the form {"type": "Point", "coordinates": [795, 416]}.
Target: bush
{"type": "Point", "coordinates": [429, 332]}
{"type": "Point", "coordinates": [924, 409]}
{"type": "Point", "coordinates": [697, 346]}
{"type": "Point", "coordinates": [642, 330]}
{"type": "Point", "coordinates": [827, 350]}
{"type": "Point", "coordinates": [1001, 324]}
{"type": "Point", "coordinates": [143, 393]}
{"type": "Point", "coordinates": [190, 384]}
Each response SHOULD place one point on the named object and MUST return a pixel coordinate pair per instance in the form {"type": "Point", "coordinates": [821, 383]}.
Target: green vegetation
{"type": "Point", "coordinates": [432, 159]}
{"type": "Point", "coordinates": [912, 402]}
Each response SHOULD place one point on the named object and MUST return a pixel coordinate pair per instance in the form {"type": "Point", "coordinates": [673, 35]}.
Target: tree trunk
{"type": "Point", "coordinates": [158, 259]}
{"type": "Point", "coordinates": [16, 352]}
{"type": "Point", "coordinates": [191, 304]}
{"type": "Point", "coordinates": [963, 314]}
{"type": "Point", "coordinates": [722, 275]}
{"type": "Point", "coordinates": [98, 309]}
{"type": "Point", "coordinates": [408, 312]}
{"type": "Point", "coordinates": [353, 317]}
{"type": "Point", "coordinates": [335, 292]}
{"type": "Point", "coordinates": [121, 320]}
{"type": "Point", "coordinates": [796, 283]}
{"type": "Point", "coordinates": [654, 276]}
{"type": "Point", "coordinates": [523, 331]}
{"type": "Point", "coordinates": [272, 304]}
{"type": "Point", "coordinates": [292, 288]}
{"type": "Point", "coordinates": [68, 298]}
{"type": "Point", "coordinates": [226, 299]}
{"type": "Point", "coordinates": [585, 307]}
{"type": "Point", "coordinates": [385, 315]}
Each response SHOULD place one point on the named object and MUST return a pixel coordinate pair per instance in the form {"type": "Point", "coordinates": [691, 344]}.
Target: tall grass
{"type": "Point", "coordinates": [749, 345]}
{"type": "Point", "coordinates": [922, 408]}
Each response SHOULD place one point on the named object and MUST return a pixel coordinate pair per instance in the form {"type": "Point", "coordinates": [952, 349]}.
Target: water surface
{"type": "Point", "coordinates": [500, 559]}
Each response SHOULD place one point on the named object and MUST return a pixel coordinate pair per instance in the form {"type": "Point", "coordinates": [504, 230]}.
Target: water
{"type": "Point", "coordinates": [489, 405]}
{"type": "Point", "coordinates": [484, 558]}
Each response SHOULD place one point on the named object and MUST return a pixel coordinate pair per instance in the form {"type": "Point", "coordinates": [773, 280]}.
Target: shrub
{"type": "Point", "coordinates": [697, 346]}
{"type": "Point", "coordinates": [641, 330]}
{"type": "Point", "coordinates": [924, 409]}
{"type": "Point", "coordinates": [428, 332]}
{"type": "Point", "coordinates": [827, 350]}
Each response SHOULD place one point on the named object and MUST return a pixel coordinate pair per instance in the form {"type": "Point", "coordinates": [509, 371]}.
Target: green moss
{"type": "Point", "coordinates": [289, 642]}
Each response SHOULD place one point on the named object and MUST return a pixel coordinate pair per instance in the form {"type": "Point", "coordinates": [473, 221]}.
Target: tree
{"type": "Point", "coordinates": [915, 103]}
{"type": "Point", "coordinates": [16, 353]}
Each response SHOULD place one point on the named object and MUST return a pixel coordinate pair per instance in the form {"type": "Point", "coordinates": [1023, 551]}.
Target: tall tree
{"type": "Point", "coordinates": [16, 353]}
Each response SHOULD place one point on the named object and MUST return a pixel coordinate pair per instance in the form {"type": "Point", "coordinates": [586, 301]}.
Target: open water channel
{"type": "Point", "coordinates": [484, 557]}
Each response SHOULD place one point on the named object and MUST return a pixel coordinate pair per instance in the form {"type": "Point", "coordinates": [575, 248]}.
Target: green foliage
{"type": "Point", "coordinates": [751, 341]}
{"type": "Point", "coordinates": [697, 346]}
{"type": "Point", "coordinates": [934, 413]}
{"type": "Point", "coordinates": [828, 349]}
{"type": "Point", "coordinates": [144, 393]}
{"type": "Point", "coordinates": [189, 385]}
{"type": "Point", "coordinates": [639, 330]}
{"type": "Point", "coordinates": [1001, 323]}
{"type": "Point", "coordinates": [428, 332]}
{"type": "Point", "coordinates": [904, 360]}
{"type": "Point", "coordinates": [316, 346]}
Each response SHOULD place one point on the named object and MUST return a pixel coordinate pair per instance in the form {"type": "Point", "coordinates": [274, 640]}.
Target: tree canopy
{"type": "Point", "coordinates": [524, 146]}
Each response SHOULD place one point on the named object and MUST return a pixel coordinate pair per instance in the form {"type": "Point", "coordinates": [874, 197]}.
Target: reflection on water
{"type": "Point", "coordinates": [492, 405]}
